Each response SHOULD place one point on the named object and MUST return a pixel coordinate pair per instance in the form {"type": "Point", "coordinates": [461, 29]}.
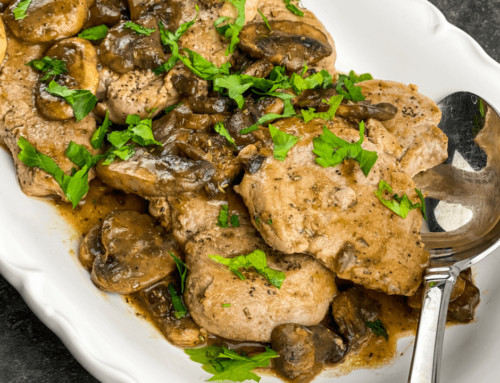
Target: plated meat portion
{"type": "Point", "coordinates": [333, 213]}
{"type": "Point", "coordinates": [19, 118]}
{"type": "Point", "coordinates": [415, 125]}
{"type": "Point", "coordinates": [256, 306]}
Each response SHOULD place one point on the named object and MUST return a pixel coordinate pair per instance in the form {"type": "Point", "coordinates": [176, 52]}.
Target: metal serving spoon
{"type": "Point", "coordinates": [463, 207]}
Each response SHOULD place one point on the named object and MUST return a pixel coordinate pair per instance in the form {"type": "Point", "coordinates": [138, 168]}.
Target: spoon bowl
{"type": "Point", "coordinates": [463, 207]}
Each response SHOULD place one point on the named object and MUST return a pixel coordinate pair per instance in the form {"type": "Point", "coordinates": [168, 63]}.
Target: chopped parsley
{"type": "Point", "coordinates": [21, 9]}
{"type": "Point", "coordinates": [346, 86]}
{"type": "Point", "coordinates": [223, 219]}
{"type": "Point", "coordinates": [236, 86]}
{"type": "Point", "coordinates": [82, 101]}
{"type": "Point", "coordinates": [226, 305]}
{"type": "Point", "coordinates": [74, 186]}
{"type": "Point", "coordinates": [400, 205]}
{"type": "Point", "coordinates": [221, 129]}
{"type": "Point", "coordinates": [49, 66]}
{"type": "Point", "coordinates": [179, 308]}
{"type": "Point", "coordinates": [257, 260]}
{"type": "Point", "coordinates": [94, 33]}
{"type": "Point", "coordinates": [231, 30]}
{"type": "Point", "coordinates": [378, 328]}
{"type": "Point", "coordinates": [79, 155]}
{"type": "Point", "coordinates": [182, 268]}
{"type": "Point", "coordinates": [334, 103]}
{"type": "Point", "coordinates": [227, 365]}
{"type": "Point", "coordinates": [270, 222]}
{"type": "Point", "coordinates": [292, 8]}
{"type": "Point", "coordinates": [98, 136]}
{"type": "Point", "coordinates": [139, 29]}
{"type": "Point", "coordinates": [166, 35]}
{"type": "Point", "coordinates": [332, 150]}
{"type": "Point", "coordinates": [283, 142]}
{"type": "Point", "coordinates": [265, 19]}
{"type": "Point", "coordinates": [288, 111]}
{"type": "Point", "coordinates": [171, 108]}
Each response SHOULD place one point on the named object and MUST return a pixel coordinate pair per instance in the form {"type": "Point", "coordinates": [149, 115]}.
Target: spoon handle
{"type": "Point", "coordinates": [426, 361]}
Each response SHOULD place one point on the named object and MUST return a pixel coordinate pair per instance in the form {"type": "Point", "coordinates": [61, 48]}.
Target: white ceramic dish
{"type": "Point", "coordinates": [404, 40]}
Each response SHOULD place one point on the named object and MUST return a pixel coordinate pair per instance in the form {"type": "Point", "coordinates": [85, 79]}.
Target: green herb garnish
{"type": "Point", "coordinates": [79, 155]}
{"type": "Point", "coordinates": [221, 129]}
{"type": "Point", "coordinates": [378, 329]}
{"type": "Point", "coordinates": [223, 219]}
{"type": "Point", "coordinates": [74, 186]}
{"type": "Point", "coordinates": [288, 111]}
{"type": "Point", "coordinates": [235, 221]}
{"type": "Point", "coordinates": [352, 92]}
{"type": "Point", "coordinates": [182, 268]}
{"type": "Point", "coordinates": [400, 205]}
{"type": "Point", "coordinates": [139, 29]}
{"type": "Point", "coordinates": [332, 150]}
{"type": "Point", "coordinates": [283, 142]}
{"type": "Point", "coordinates": [166, 35]}
{"type": "Point", "coordinates": [171, 108]}
{"type": "Point", "coordinates": [49, 66]}
{"type": "Point", "coordinates": [94, 33]}
{"type": "Point", "coordinates": [292, 8]}
{"type": "Point", "coordinates": [82, 101]}
{"type": "Point", "coordinates": [99, 134]}
{"type": "Point", "coordinates": [227, 365]}
{"type": "Point", "coordinates": [265, 19]}
{"type": "Point", "coordinates": [226, 305]}
{"type": "Point", "coordinates": [231, 30]}
{"type": "Point", "coordinates": [179, 308]}
{"type": "Point", "coordinates": [334, 103]}
{"type": "Point", "coordinates": [21, 9]}
{"type": "Point", "coordinates": [257, 260]}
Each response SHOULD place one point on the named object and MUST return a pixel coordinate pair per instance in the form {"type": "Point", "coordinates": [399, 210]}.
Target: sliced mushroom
{"type": "Point", "coordinates": [260, 69]}
{"type": "Point", "coordinates": [91, 247]}
{"type": "Point", "coordinates": [3, 42]}
{"type": "Point", "coordinates": [123, 49]}
{"type": "Point", "coordinates": [4, 4]}
{"type": "Point", "coordinates": [136, 253]}
{"type": "Point", "coordinates": [181, 332]}
{"type": "Point", "coordinates": [170, 12]}
{"type": "Point", "coordinates": [351, 310]}
{"type": "Point", "coordinates": [463, 308]}
{"type": "Point", "coordinates": [187, 83]}
{"type": "Point", "coordinates": [107, 12]}
{"type": "Point", "coordinates": [289, 43]}
{"type": "Point", "coordinates": [81, 62]}
{"type": "Point", "coordinates": [151, 175]}
{"type": "Point", "coordinates": [47, 20]}
{"type": "Point", "coordinates": [160, 209]}
{"type": "Point", "coordinates": [210, 105]}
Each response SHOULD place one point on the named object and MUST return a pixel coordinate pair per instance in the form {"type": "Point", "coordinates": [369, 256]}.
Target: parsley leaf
{"type": "Point", "coordinates": [292, 8]}
{"type": "Point", "coordinates": [49, 66]}
{"type": "Point", "coordinates": [180, 310]}
{"type": "Point", "coordinates": [232, 30]}
{"type": "Point", "coordinates": [265, 19]}
{"type": "Point", "coordinates": [79, 155]}
{"type": "Point", "coordinates": [181, 266]}
{"type": "Point", "coordinates": [74, 187]}
{"type": "Point", "coordinates": [400, 205]}
{"type": "Point", "coordinates": [21, 9]}
{"type": "Point", "coordinates": [378, 328]}
{"type": "Point", "coordinates": [226, 305]}
{"type": "Point", "coordinates": [257, 260]}
{"type": "Point", "coordinates": [99, 134]}
{"type": "Point", "coordinates": [283, 142]}
{"type": "Point", "coordinates": [236, 86]}
{"type": "Point", "coordinates": [227, 365]}
{"type": "Point", "coordinates": [353, 93]}
{"type": "Point", "coordinates": [82, 101]}
{"type": "Point", "coordinates": [139, 29]}
{"type": "Point", "coordinates": [288, 111]}
{"type": "Point", "coordinates": [332, 150]}
{"type": "Point", "coordinates": [202, 67]}
{"type": "Point", "coordinates": [223, 219]}
{"type": "Point", "coordinates": [311, 114]}
{"type": "Point", "coordinates": [221, 129]}
{"type": "Point", "coordinates": [94, 33]}
{"type": "Point", "coordinates": [235, 221]}
{"type": "Point", "coordinates": [166, 35]}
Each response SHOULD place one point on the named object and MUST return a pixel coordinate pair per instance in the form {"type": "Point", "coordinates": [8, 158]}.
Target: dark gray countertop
{"type": "Point", "coordinates": [30, 352]}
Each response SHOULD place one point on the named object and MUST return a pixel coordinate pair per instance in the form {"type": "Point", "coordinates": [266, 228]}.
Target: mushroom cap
{"type": "Point", "coordinates": [137, 253]}
{"type": "Point", "coordinates": [47, 20]}
{"type": "Point", "coordinates": [81, 63]}
{"type": "Point", "coordinates": [289, 43]}
{"type": "Point", "coordinates": [3, 42]}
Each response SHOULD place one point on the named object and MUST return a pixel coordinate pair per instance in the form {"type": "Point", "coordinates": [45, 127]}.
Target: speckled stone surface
{"type": "Point", "coordinates": [30, 352]}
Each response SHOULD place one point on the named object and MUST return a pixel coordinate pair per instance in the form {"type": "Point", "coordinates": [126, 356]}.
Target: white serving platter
{"type": "Point", "coordinates": [403, 40]}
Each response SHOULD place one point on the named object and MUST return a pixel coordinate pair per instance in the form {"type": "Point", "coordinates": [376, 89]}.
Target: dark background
{"type": "Point", "coordinates": [30, 352]}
